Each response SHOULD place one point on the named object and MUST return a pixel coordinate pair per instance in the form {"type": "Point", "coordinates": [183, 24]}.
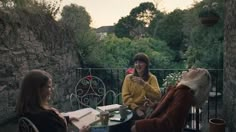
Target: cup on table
{"type": "Point", "coordinates": [104, 117]}
{"type": "Point", "coordinates": [123, 112]}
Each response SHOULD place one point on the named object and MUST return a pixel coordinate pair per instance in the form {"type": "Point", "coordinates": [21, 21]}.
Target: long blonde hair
{"type": "Point", "coordinates": [30, 98]}
{"type": "Point", "coordinates": [200, 85]}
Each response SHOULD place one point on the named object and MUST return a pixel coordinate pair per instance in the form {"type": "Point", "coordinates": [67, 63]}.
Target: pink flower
{"type": "Point", "coordinates": [130, 71]}
{"type": "Point", "coordinates": [89, 77]}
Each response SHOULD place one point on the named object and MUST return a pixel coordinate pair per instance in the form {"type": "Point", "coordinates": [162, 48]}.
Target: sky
{"type": "Point", "coordinates": [108, 12]}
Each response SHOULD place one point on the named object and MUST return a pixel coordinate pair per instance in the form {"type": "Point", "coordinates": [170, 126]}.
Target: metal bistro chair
{"type": "Point", "coordinates": [89, 92]}
{"type": "Point", "coordinates": [25, 125]}
{"type": "Point", "coordinates": [113, 97]}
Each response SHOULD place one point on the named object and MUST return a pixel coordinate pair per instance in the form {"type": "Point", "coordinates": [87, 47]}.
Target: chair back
{"type": "Point", "coordinates": [89, 92]}
{"type": "Point", "coordinates": [26, 125]}
{"type": "Point", "coordinates": [111, 97]}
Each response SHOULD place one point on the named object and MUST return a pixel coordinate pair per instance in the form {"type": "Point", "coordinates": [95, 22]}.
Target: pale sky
{"type": "Point", "coordinates": [108, 12]}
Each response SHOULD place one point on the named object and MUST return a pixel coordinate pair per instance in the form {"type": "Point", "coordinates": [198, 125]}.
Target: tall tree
{"type": "Point", "coordinates": [169, 28]}
{"type": "Point", "coordinates": [78, 20]}
{"type": "Point", "coordinates": [204, 44]}
{"type": "Point", "coordinates": [76, 17]}
{"type": "Point", "coordinates": [134, 25]}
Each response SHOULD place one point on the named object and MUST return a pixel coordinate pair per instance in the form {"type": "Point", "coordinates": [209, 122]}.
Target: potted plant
{"type": "Point", "coordinates": [171, 80]}
{"type": "Point", "coordinates": [208, 14]}
{"type": "Point", "coordinates": [217, 125]}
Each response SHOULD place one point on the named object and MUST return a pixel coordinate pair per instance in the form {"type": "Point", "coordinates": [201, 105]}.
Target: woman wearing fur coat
{"type": "Point", "coordinates": [170, 114]}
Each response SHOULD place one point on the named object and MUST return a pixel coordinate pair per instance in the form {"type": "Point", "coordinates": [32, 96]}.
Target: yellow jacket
{"type": "Point", "coordinates": [133, 94]}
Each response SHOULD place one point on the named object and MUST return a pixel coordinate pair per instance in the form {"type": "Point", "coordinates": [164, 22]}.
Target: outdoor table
{"type": "Point", "coordinates": [114, 126]}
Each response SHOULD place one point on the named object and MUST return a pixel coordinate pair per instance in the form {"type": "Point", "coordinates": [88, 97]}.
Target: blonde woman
{"type": "Point", "coordinates": [171, 112]}
{"type": "Point", "coordinates": [33, 103]}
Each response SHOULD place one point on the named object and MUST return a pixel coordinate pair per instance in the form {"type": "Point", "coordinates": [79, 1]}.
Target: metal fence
{"type": "Point", "coordinates": [113, 79]}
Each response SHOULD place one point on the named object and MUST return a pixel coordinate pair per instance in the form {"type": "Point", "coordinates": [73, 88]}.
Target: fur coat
{"type": "Point", "coordinates": [171, 113]}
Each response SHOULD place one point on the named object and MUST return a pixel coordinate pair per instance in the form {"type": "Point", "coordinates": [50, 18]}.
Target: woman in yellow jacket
{"type": "Point", "coordinates": [140, 86]}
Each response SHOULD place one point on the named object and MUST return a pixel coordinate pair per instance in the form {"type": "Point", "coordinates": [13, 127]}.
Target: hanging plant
{"type": "Point", "coordinates": [208, 15]}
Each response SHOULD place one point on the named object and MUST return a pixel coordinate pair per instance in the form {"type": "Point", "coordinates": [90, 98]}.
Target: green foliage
{"type": "Point", "coordinates": [208, 13]}
{"type": "Point", "coordinates": [154, 24]}
{"type": "Point", "coordinates": [111, 52]}
{"type": "Point", "coordinates": [50, 7]}
{"type": "Point", "coordinates": [118, 52]}
{"type": "Point", "coordinates": [77, 19]}
{"type": "Point", "coordinates": [177, 36]}
{"type": "Point", "coordinates": [124, 26]}
{"type": "Point", "coordinates": [134, 25]}
{"type": "Point", "coordinates": [205, 45]}
{"type": "Point", "coordinates": [209, 10]}
{"type": "Point", "coordinates": [144, 12]}
{"type": "Point", "coordinates": [169, 29]}
{"type": "Point", "coordinates": [16, 3]}
{"type": "Point", "coordinates": [171, 79]}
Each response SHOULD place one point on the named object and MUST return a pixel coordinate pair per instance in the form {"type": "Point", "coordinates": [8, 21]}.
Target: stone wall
{"type": "Point", "coordinates": [32, 41]}
{"type": "Point", "coordinates": [230, 65]}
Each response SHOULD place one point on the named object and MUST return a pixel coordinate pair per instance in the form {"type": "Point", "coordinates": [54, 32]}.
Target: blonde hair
{"type": "Point", "coordinates": [200, 85]}
{"type": "Point", "coordinates": [30, 98]}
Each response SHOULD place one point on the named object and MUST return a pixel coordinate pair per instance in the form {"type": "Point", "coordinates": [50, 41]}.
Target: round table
{"type": "Point", "coordinates": [114, 126]}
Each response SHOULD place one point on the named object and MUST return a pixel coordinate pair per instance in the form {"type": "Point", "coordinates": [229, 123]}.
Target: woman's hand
{"type": "Point", "coordinates": [139, 80]}
{"type": "Point", "coordinates": [133, 128]}
{"type": "Point", "coordinates": [140, 113]}
{"type": "Point", "coordinates": [74, 119]}
{"type": "Point", "coordinates": [84, 129]}
{"type": "Point", "coordinates": [148, 103]}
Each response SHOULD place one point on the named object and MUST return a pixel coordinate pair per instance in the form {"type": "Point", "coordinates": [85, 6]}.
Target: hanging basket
{"type": "Point", "coordinates": [209, 17]}
{"type": "Point", "coordinates": [209, 20]}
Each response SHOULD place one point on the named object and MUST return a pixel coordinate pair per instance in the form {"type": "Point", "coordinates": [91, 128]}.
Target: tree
{"type": "Point", "coordinates": [51, 7]}
{"type": "Point", "coordinates": [169, 28]}
{"type": "Point", "coordinates": [204, 44]}
{"type": "Point", "coordinates": [16, 3]}
{"type": "Point", "coordinates": [118, 52]}
{"type": "Point", "coordinates": [134, 25]}
{"type": "Point", "coordinates": [144, 13]}
{"type": "Point", "coordinates": [152, 29]}
{"type": "Point", "coordinates": [77, 19]}
{"type": "Point", "coordinates": [123, 27]}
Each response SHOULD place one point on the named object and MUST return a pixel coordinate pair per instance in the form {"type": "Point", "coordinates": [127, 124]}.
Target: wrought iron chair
{"type": "Point", "coordinates": [26, 125]}
{"type": "Point", "coordinates": [115, 98]}
{"type": "Point", "coordinates": [89, 92]}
